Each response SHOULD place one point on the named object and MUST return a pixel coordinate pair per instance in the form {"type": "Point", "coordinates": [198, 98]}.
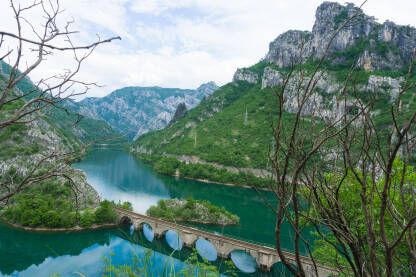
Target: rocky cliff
{"type": "Point", "coordinates": [370, 44]}
{"type": "Point", "coordinates": [138, 110]}
{"type": "Point", "coordinates": [232, 126]}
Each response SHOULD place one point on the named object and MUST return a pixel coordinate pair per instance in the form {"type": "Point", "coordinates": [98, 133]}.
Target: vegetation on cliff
{"type": "Point", "coordinates": [190, 210]}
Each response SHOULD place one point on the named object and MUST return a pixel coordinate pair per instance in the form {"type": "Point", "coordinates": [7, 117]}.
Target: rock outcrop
{"type": "Point", "coordinates": [180, 112]}
{"type": "Point", "coordinates": [377, 46]}
{"type": "Point", "coordinates": [323, 101]}
{"type": "Point", "coordinates": [243, 74]}
{"type": "Point", "coordinates": [271, 78]}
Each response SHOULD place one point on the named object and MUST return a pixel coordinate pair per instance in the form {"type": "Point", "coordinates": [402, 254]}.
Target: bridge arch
{"type": "Point", "coordinates": [147, 230]}
{"type": "Point", "coordinates": [140, 224]}
{"type": "Point", "coordinates": [125, 220]}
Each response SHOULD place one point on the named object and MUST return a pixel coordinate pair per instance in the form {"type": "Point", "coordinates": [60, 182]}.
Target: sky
{"type": "Point", "coordinates": [181, 43]}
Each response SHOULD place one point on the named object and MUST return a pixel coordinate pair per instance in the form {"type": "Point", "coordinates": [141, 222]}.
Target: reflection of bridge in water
{"type": "Point", "coordinates": [265, 256]}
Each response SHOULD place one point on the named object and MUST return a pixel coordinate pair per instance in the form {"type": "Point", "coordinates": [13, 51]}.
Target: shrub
{"type": "Point", "coordinates": [105, 213]}
{"type": "Point", "coordinates": [51, 219]}
{"type": "Point", "coordinates": [86, 219]}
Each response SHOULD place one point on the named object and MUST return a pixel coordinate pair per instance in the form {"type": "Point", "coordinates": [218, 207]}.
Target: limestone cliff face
{"type": "Point", "coordinates": [271, 78]}
{"type": "Point", "coordinates": [382, 46]}
{"type": "Point", "coordinates": [323, 101]}
{"type": "Point", "coordinates": [243, 74]}
{"type": "Point", "coordinates": [138, 110]}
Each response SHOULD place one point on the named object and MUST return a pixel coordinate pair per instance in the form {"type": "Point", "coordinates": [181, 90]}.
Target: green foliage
{"type": "Point", "coordinates": [87, 218]}
{"type": "Point", "coordinates": [105, 213]}
{"type": "Point", "coordinates": [340, 19]}
{"type": "Point", "coordinates": [192, 210]}
{"type": "Point", "coordinates": [125, 205]}
{"type": "Point", "coordinates": [46, 205]}
{"type": "Point", "coordinates": [50, 204]}
{"type": "Point", "coordinates": [144, 266]}
{"type": "Point", "coordinates": [169, 166]}
{"type": "Point", "coordinates": [349, 198]}
{"type": "Point", "coordinates": [260, 66]}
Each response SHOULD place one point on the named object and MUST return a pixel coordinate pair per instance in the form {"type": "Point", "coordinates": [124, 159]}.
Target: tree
{"type": "Point", "coordinates": [105, 213]}
{"type": "Point", "coordinates": [25, 50]}
{"type": "Point", "coordinates": [349, 177]}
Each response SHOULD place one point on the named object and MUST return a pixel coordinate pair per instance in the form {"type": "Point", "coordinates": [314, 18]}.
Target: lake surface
{"type": "Point", "coordinates": [117, 175]}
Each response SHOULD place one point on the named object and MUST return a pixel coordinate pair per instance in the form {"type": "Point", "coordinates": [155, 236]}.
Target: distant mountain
{"type": "Point", "coordinates": [138, 110]}
{"type": "Point", "coordinates": [232, 126]}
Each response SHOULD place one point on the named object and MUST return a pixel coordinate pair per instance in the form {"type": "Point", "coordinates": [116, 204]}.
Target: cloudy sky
{"type": "Point", "coordinates": [184, 43]}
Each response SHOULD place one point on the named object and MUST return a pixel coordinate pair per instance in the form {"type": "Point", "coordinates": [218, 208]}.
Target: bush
{"type": "Point", "coordinates": [86, 219]}
{"type": "Point", "coordinates": [105, 213]}
{"type": "Point", "coordinates": [51, 219]}
{"type": "Point", "coordinates": [126, 205]}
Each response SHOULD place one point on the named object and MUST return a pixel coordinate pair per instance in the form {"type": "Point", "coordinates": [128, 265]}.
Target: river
{"type": "Point", "coordinates": [117, 175]}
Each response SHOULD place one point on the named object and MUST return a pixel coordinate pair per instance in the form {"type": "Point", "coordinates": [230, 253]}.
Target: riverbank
{"type": "Point", "coordinates": [60, 230]}
{"type": "Point", "coordinates": [218, 183]}
{"type": "Point", "coordinates": [203, 172]}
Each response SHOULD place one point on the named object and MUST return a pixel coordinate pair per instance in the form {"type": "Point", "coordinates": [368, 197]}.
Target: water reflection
{"type": "Point", "coordinates": [173, 240]}
{"type": "Point", "coordinates": [117, 175]}
{"type": "Point", "coordinates": [148, 232]}
{"type": "Point", "coordinates": [206, 249]}
{"type": "Point", "coordinates": [244, 261]}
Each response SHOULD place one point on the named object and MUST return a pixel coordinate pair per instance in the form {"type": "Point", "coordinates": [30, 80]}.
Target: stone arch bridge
{"type": "Point", "coordinates": [265, 257]}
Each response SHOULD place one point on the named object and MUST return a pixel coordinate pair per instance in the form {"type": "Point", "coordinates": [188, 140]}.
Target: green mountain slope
{"type": "Point", "coordinates": [218, 131]}
{"type": "Point", "coordinates": [233, 126]}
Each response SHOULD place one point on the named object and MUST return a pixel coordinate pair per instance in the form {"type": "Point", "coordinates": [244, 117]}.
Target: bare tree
{"type": "Point", "coordinates": [25, 51]}
{"type": "Point", "coordinates": [347, 177]}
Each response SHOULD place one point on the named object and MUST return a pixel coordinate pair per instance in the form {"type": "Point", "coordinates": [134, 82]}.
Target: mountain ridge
{"type": "Point", "coordinates": [136, 110]}
{"type": "Point", "coordinates": [232, 126]}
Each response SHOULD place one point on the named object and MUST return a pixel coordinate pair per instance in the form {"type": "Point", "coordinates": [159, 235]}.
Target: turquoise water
{"type": "Point", "coordinates": [119, 176]}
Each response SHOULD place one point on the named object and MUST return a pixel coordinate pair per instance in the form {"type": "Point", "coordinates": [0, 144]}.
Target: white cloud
{"type": "Point", "coordinates": [182, 43]}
